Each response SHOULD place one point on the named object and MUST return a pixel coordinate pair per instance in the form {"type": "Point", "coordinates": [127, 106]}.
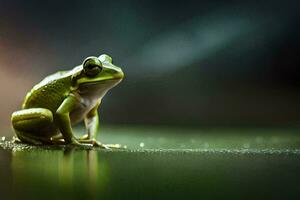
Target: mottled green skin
{"type": "Point", "coordinates": [50, 92]}
{"type": "Point", "coordinates": [65, 98]}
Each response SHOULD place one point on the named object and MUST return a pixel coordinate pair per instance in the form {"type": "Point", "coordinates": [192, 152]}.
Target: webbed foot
{"type": "Point", "coordinates": [96, 143]}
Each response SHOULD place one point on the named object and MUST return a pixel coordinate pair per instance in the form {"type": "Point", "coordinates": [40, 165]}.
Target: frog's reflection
{"type": "Point", "coordinates": [89, 162]}
{"type": "Point", "coordinates": [70, 169]}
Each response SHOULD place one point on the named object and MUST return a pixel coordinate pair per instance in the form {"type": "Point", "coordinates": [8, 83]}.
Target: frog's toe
{"type": "Point", "coordinates": [111, 146]}
{"type": "Point", "coordinates": [80, 144]}
{"type": "Point", "coordinates": [57, 141]}
{"type": "Point", "coordinates": [85, 137]}
{"type": "Point", "coordinates": [100, 145]}
{"type": "Point", "coordinates": [114, 146]}
{"type": "Point", "coordinates": [15, 139]}
{"type": "Point", "coordinates": [95, 143]}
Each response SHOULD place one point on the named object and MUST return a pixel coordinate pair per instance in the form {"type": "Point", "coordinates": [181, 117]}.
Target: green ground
{"type": "Point", "coordinates": [159, 163]}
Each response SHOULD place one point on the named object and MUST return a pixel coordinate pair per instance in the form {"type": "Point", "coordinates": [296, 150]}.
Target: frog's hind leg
{"type": "Point", "coordinates": [24, 137]}
{"type": "Point", "coordinates": [28, 124]}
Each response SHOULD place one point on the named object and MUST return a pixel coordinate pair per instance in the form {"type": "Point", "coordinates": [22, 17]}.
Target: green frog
{"type": "Point", "coordinates": [64, 99]}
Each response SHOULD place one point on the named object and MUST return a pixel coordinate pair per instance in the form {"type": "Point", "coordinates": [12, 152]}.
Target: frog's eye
{"type": "Point", "coordinates": [92, 66]}
{"type": "Point", "coordinates": [105, 57]}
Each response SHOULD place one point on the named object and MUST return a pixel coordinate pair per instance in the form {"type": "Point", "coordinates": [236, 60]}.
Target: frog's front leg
{"type": "Point", "coordinates": [62, 119]}
{"type": "Point", "coordinates": [28, 124]}
{"type": "Point", "coordinates": [91, 121]}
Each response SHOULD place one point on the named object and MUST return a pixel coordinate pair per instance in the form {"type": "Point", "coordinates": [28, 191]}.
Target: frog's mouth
{"type": "Point", "coordinates": [102, 82]}
{"type": "Point", "coordinates": [99, 81]}
{"type": "Point", "coordinates": [98, 86]}
{"type": "Point", "coordinates": [98, 89]}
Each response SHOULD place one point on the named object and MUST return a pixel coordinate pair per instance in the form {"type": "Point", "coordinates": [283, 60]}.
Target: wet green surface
{"type": "Point", "coordinates": [159, 163]}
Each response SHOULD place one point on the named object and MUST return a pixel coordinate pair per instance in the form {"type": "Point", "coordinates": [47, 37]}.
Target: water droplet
{"type": "Point", "coordinates": [142, 144]}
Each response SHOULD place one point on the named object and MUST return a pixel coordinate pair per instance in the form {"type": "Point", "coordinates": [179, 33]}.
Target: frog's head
{"type": "Point", "coordinates": [97, 73]}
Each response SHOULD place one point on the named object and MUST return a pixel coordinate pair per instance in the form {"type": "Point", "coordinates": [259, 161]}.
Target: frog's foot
{"type": "Point", "coordinates": [15, 139]}
{"type": "Point", "coordinates": [84, 137]}
{"type": "Point", "coordinates": [76, 142]}
{"type": "Point", "coordinates": [114, 146]}
{"type": "Point", "coordinates": [96, 143]}
{"type": "Point", "coordinates": [57, 141]}
{"type": "Point", "coordinates": [93, 142]}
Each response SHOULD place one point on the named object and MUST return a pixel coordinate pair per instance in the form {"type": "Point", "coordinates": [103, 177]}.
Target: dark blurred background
{"type": "Point", "coordinates": [191, 63]}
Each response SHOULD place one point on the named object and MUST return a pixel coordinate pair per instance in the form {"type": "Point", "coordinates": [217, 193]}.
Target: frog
{"type": "Point", "coordinates": [61, 100]}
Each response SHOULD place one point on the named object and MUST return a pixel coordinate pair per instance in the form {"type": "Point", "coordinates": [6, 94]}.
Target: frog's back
{"type": "Point", "coordinates": [50, 92]}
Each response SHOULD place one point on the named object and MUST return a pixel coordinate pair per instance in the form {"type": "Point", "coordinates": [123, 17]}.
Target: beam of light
{"type": "Point", "coordinates": [201, 38]}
